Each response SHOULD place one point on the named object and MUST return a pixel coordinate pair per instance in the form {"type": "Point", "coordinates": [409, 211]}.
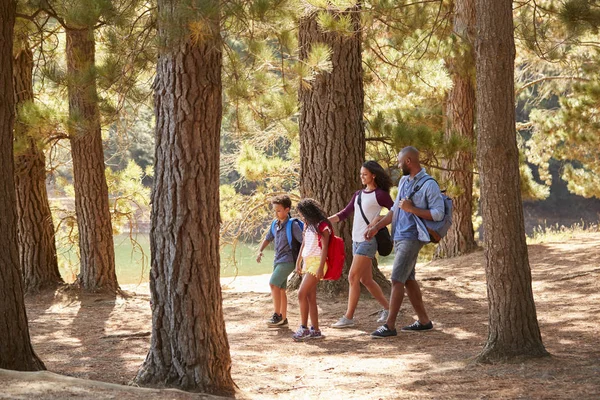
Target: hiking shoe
{"type": "Point", "coordinates": [343, 323]}
{"type": "Point", "coordinates": [315, 333]}
{"type": "Point", "coordinates": [303, 333]}
{"type": "Point", "coordinates": [383, 331]}
{"type": "Point", "coordinates": [383, 316]}
{"type": "Point", "coordinates": [275, 320]}
{"type": "Point", "coordinates": [418, 326]}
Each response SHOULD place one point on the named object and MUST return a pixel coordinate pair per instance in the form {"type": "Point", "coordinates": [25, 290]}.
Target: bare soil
{"type": "Point", "coordinates": [103, 339]}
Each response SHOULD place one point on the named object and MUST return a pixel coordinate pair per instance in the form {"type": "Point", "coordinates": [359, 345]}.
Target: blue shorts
{"type": "Point", "coordinates": [368, 248]}
{"type": "Point", "coordinates": [405, 259]}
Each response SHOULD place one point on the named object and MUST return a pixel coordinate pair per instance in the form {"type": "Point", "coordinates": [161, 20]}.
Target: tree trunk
{"type": "Point", "coordinates": [332, 135]}
{"type": "Point", "coordinates": [189, 348]}
{"type": "Point", "coordinates": [37, 249]}
{"type": "Point", "coordinates": [15, 345]}
{"type": "Point", "coordinates": [513, 326]}
{"type": "Point", "coordinates": [96, 244]}
{"type": "Point", "coordinates": [460, 110]}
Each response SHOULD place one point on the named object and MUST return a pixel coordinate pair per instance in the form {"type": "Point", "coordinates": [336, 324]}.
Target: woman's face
{"type": "Point", "coordinates": [366, 177]}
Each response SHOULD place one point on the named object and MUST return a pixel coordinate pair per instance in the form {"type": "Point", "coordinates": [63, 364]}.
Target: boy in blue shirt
{"type": "Point", "coordinates": [287, 234]}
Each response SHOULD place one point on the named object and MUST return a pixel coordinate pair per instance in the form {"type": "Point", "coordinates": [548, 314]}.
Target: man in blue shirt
{"type": "Point", "coordinates": [418, 198]}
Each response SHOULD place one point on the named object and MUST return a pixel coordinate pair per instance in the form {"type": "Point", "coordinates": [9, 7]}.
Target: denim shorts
{"type": "Point", "coordinates": [405, 259]}
{"type": "Point", "coordinates": [281, 271]}
{"type": "Point", "coordinates": [368, 248]}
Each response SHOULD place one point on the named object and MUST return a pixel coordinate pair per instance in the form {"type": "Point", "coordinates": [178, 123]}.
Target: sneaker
{"type": "Point", "coordinates": [383, 316]}
{"type": "Point", "coordinates": [417, 326]}
{"type": "Point", "coordinates": [343, 323]}
{"type": "Point", "coordinates": [303, 333]}
{"type": "Point", "coordinates": [275, 320]}
{"type": "Point", "coordinates": [282, 323]}
{"type": "Point", "coordinates": [315, 333]}
{"type": "Point", "coordinates": [383, 331]}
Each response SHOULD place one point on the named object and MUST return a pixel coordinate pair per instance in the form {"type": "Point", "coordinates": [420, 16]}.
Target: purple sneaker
{"type": "Point", "coordinates": [315, 333]}
{"type": "Point", "coordinates": [303, 333]}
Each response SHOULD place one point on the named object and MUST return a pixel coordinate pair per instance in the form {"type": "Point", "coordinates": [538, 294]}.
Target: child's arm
{"type": "Point", "coordinates": [264, 244]}
{"type": "Point", "coordinates": [299, 260]}
{"type": "Point", "coordinates": [324, 247]}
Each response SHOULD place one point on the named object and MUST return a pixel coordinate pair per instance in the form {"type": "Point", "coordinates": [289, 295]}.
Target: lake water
{"type": "Point", "coordinates": [132, 261]}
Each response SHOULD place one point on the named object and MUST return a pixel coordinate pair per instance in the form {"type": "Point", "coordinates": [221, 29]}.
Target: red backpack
{"type": "Point", "coordinates": [336, 253]}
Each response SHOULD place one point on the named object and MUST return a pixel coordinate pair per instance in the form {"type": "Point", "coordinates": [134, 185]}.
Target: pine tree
{"type": "Point", "coordinates": [37, 248]}
{"type": "Point", "coordinates": [513, 327]}
{"type": "Point", "coordinates": [15, 347]}
{"type": "Point", "coordinates": [460, 120]}
{"type": "Point", "coordinates": [189, 347]}
{"type": "Point", "coordinates": [332, 136]}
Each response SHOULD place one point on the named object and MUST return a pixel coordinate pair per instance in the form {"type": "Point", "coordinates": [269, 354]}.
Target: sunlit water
{"type": "Point", "coordinates": [132, 260]}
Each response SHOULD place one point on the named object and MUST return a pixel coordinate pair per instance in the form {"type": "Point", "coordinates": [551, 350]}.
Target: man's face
{"type": "Point", "coordinates": [403, 162]}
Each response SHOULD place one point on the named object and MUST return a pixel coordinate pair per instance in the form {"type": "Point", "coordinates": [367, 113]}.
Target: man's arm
{"type": "Point", "coordinates": [434, 200]}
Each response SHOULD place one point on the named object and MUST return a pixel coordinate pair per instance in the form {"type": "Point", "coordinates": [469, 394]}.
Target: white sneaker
{"type": "Point", "coordinates": [383, 316]}
{"type": "Point", "coordinates": [343, 323]}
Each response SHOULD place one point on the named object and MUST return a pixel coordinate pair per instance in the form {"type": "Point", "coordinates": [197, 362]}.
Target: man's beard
{"type": "Point", "coordinates": [405, 171]}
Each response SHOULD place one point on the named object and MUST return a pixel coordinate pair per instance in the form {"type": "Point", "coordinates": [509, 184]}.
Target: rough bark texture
{"type": "Point", "coordinates": [513, 326]}
{"type": "Point", "coordinates": [15, 345]}
{"type": "Point", "coordinates": [332, 135]}
{"type": "Point", "coordinates": [96, 245]}
{"type": "Point", "coordinates": [189, 347]}
{"type": "Point", "coordinates": [460, 113]}
{"type": "Point", "coordinates": [37, 249]}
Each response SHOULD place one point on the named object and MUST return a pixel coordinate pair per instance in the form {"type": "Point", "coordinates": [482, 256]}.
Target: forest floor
{"type": "Point", "coordinates": [102, 339]}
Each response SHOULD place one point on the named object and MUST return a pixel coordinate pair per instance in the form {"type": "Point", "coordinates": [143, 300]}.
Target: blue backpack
{"type": "Point", "coordinates": [436, 229]}
{"type": "Point", "coordinates": [294, 244]}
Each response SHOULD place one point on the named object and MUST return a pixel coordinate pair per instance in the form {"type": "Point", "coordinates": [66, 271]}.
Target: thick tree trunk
{"type": "Point", "coordinates": [15, 345]}
{"type": "Point", "coordinates": [37, 249]}
{"type": "Point", "coordinates": [460, 112]}
{"type": "Point", "coordinates": [332, 136]}
{"type": "Point", "coordinates": [189, 347]}
{"type": "Point", "coordinates": [513, 326]}
{"type": "Point", "coordinates": [96, 244]}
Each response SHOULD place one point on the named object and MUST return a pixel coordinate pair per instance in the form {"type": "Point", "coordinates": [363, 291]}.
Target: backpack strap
{"type": "Point", "coordinates": [359, 201]}
{"type": "Point", "coordinates": [418, 187]}
{"type": "Point", "coordinates": [288, 230]}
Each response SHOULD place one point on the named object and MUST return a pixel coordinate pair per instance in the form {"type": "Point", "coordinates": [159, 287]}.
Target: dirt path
{"type": "Point", "coordinates": [106, 340]}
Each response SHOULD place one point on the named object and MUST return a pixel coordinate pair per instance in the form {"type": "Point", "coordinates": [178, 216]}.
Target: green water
{"type": "Point", "coordinates": [132, 260]}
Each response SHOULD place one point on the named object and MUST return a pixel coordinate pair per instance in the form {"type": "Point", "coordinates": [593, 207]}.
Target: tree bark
{"type": "Point", "coordinates": [15, 345]}
{"type": "Point", "coordinates": [332, 135]}
{"type": "Point", "coordinates": [513, 326]}
{"type": "Point", "coordinates": [96, 244]}
{"type": "Point", "coordinates": [460, 113]}
{"type": "Point", "coordinates": [189, 348]}
{"type": "Point", "coordinates": [37, 249]}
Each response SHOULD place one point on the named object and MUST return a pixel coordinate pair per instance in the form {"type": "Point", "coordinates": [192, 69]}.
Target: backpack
{"type": "Point", "coordinates": [336, 255]}
{"type": "Point", "coordinates": [436, 229]}
{"type": "Point", "coordinates": [294, 244]}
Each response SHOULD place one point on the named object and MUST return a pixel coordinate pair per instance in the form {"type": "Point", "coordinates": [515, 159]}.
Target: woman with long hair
{"type": "Point", "coordinates": [372, 198]}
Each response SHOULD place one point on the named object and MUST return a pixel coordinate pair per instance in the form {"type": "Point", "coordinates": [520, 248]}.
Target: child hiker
{"type": "Point", "coordinates": [287, 234]}
{"type": "Point", "coordinates": [311, 264]}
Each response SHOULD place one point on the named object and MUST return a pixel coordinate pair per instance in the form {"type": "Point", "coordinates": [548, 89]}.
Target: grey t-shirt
{"type": "Point", "coordinates": [283, 251]}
